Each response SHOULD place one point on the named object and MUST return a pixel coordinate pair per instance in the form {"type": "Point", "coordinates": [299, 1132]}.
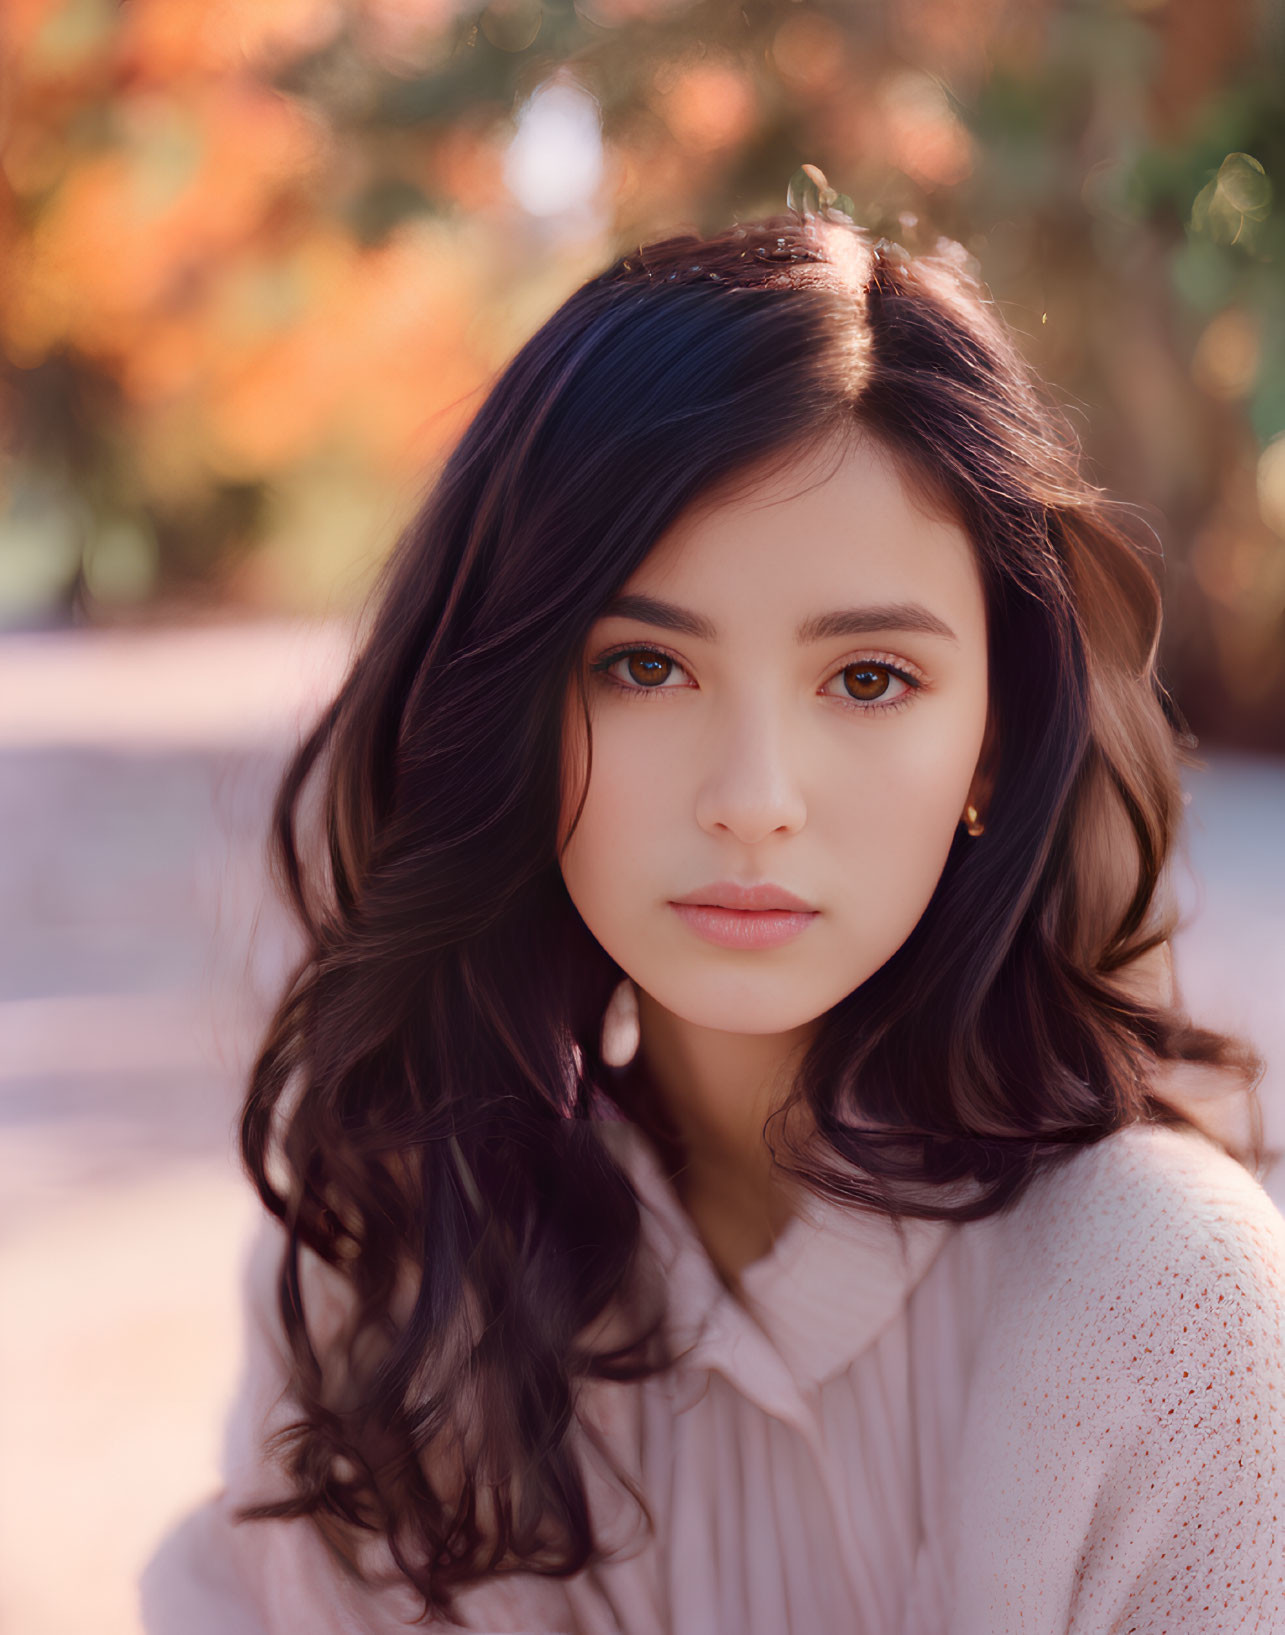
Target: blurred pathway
{"type": "Point", "coordinates": [139, 953]}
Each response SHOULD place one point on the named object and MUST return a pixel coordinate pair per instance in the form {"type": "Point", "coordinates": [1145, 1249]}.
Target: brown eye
{"type": "Point", "coordinates": [648, 669]}
{"type": "Point", "coordinates": [867, 681]}
{"type": "Point", "coordinates": [872, 683]}
{"type": "Point", "coordinates": [640, 671]}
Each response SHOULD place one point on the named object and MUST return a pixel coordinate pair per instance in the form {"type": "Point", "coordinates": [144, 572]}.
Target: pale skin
{"type": "Point", "coordinates": [759, 743]}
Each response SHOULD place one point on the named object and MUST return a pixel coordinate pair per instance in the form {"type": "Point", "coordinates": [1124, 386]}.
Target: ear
{"type": "Point", "coordinates": [982, 787]}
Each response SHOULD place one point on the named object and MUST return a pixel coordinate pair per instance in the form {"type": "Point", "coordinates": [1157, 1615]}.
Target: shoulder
{"type": "Point", "coordinates": [1147, 1206]}
{"type": "Point", "coordinates": [1125, 1445]}
{"type": "Point", "coordinates": [1144, 1272]}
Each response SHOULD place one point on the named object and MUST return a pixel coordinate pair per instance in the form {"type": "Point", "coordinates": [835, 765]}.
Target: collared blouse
{"type": "Point", "coordinates": [1066, 1417]}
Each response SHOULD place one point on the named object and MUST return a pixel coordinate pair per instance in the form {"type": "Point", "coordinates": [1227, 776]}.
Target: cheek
{"type": "Point", "coordinates": [889, 822]}
{"type": "Point", "coordinates": [618, 830]}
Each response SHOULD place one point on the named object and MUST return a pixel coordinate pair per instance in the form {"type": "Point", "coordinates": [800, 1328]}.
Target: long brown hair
{"type": "Point", "coordinates": [424, 1115]}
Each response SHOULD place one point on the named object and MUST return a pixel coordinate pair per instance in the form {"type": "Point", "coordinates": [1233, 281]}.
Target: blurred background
{"type": "Point", "coordinates": [259, 261]}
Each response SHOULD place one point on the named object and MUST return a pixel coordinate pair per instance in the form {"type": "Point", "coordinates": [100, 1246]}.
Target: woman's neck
{"type": "Point", "coordinates": [716, 1091]}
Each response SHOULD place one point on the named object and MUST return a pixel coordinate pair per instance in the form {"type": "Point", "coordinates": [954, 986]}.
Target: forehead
{"type": "Point", "coordinates": [839, 524]}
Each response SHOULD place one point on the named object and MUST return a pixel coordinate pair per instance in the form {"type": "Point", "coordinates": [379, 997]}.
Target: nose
{"type": "Point", "coordinates": [751, 787]}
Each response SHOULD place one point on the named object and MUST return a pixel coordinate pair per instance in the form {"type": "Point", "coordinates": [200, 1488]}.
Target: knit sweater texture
{"type": "Point", "coordinates": [1066, 1417]}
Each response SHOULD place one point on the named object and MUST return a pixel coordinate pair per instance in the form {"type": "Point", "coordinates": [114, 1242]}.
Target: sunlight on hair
{"type": "Point", "coordinates": [850, 255]}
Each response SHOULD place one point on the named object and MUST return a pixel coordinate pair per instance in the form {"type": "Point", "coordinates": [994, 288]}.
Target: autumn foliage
{"type": "Point", "coordinates": [261, 256]}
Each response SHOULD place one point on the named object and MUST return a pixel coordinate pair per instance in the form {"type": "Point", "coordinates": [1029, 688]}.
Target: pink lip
{"type": "Point", "coordinates": [727, 894]}
{"type": "Point", "coordinates": [734, 916]}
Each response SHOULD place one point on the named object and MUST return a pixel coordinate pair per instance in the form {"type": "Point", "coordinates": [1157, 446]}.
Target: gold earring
{"type": "Point", "coordinates": [970, 818]}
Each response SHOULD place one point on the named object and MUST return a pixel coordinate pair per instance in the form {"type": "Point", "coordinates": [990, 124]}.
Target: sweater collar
{"type": "Point", "coordinates": [833, 1282]}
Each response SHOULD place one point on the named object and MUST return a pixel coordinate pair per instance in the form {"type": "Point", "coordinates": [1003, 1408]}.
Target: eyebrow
{"type": "Point", "coordinates": [848, 621]}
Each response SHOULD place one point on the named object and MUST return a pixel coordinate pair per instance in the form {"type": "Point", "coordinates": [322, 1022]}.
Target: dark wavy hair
{"type": "Point", "coordinates": [426, 1111]}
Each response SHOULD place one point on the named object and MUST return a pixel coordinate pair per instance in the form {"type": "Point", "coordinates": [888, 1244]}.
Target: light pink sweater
{"type": "Point", "coordinates": [1068, 1418]}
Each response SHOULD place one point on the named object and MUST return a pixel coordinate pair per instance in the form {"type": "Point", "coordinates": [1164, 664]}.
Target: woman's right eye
{"type": "Point", "coordinates": [640, 670]}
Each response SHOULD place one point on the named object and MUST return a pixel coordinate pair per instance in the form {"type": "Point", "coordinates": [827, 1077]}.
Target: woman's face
{"type": "Point", "coordinates": [789, 694]}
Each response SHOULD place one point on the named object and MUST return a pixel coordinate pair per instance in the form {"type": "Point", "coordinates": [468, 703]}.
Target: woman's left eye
{"type": "Point", "coordinates": [869, 681]}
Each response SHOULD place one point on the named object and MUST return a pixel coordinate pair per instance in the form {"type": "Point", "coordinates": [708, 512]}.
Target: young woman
{"type": "Point", "coordinates": [726, 1145]}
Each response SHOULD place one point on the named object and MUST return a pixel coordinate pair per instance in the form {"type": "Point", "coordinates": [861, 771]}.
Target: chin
{"type": "Point", "coordinates": [763, 1005]}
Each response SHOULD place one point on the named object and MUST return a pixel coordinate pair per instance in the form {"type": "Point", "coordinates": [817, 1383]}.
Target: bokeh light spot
{"type": "Point", "coordinates": [1271, 485]}
{"type": "Point", "coordinates": [554, 163]}
{"type": "Point", "coordinates": [1225, 362]}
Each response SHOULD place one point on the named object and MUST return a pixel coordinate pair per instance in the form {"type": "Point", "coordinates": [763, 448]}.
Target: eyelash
{"type": "Point", "coordinates": [604, 665]}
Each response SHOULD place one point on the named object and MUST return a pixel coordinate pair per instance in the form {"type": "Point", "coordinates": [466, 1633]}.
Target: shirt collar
{"type": "Point", "coordinates": [833, 1282]}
